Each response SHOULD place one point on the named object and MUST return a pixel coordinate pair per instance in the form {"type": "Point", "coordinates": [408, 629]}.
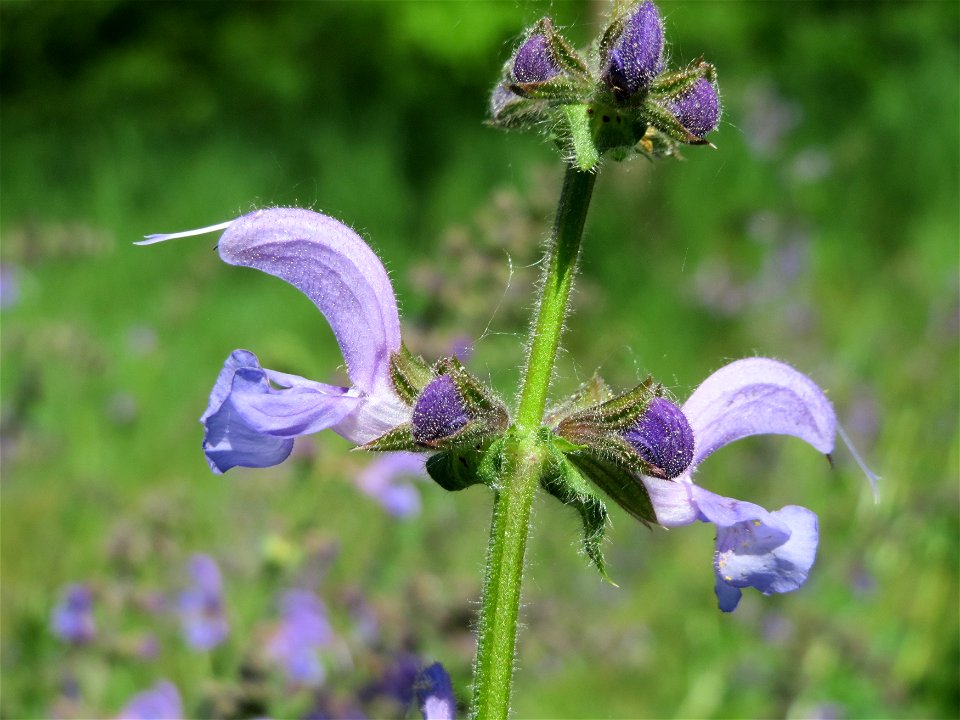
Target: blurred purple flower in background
{"type": "Point", "coordinates": [302, 631]}
{"type": "Point", "coordinates": [434, 693]}
{"type": "Point", "coordinates": [161, 702]}
{"type": "Point", "coordinates": [72, 618]}
{"type": "Point", "coordinates": [387, 480]}
{"type": "Point", "coordinates": [9, 286]}
{"type": "Point", "coordinates": [771, 551]}
{"type": "Point", "coordinates": [201, 606]}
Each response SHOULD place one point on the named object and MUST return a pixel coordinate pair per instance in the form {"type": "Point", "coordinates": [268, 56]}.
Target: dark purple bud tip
{"type": "Point", "coordinates": [699, 109]}
{"type": "Point", "coordinates": [637, 55]}
{"type": "Point", "coordinates": [439, 412]}
{"type": "Point", "coordinates": [533, 61]}
{"type": "Point", "coordinates": [663, 438]}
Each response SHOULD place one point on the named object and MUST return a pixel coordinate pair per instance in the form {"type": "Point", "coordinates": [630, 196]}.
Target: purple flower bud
{"type": "Point", "coordinates": [73, 617]}
{"type": "Point", "coordinates": [637, 55]}
{"type": "Point", "coordinates": [663, 438]}
{"type": "Point", "coordinates": [440, 411]}
{"type": "Point", "coordinates": [699, 109]}
{"type": "Point", "coordinates": [533, 61]}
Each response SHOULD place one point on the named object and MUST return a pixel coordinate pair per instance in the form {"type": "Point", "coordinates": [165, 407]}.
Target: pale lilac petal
{"type": "Point", "coordinates": [758, 396]}
{"type": "Point", "coordinates": [252, 424]}
{"type": "Point", "coordinates": [750, 554]}
{"type": "Point", "coordinates": [387, 478]}
{"type": "Point", "coordinates": [747, 556]}
{"type": "Point", "coordinates": [337, 270]}
{"type": "Point", "coordinates": [161, 702]}
{"type": "Point", "coordinates": [672, 500]}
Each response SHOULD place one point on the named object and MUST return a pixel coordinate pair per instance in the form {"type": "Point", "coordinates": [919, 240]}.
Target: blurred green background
{"type": "Point", "coordinates": [823, 231]}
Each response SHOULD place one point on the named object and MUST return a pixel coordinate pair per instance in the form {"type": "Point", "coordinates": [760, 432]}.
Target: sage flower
{"type": "Point", "coordinates": [388, 480]}
{"type": "Point", "coordinates": [201, 606]}
{"type": "Point", "coordinates": [302, 631]}
{"type": "Point", "coordinates": [255, 413]}
{"type": "Point", "coordinates": [161, 702]}
{"type": "Point", "coordinates": [770, 551]}
{"type": "Point", "coordinates": [72, 618]}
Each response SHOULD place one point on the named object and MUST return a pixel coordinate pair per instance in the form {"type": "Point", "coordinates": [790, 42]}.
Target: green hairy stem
{"type": "Point", "coordinates": [522, 458]}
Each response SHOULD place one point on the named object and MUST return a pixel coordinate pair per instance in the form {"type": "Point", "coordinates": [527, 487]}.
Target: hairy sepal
{"type": "Point", "coordinates": [410, 374]}
{"type": "Point", "coordinates": [564, 481]}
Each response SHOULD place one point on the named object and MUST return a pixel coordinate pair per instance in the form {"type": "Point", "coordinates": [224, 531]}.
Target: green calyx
{"type": "Point", "coordinates": [411, 379]}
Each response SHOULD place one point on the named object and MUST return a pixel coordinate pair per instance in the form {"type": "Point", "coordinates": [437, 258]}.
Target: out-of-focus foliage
{"type": "Point", "coordinates": [823, 231]}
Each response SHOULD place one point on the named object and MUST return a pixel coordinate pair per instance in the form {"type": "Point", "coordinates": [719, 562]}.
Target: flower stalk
{"type": "Point", "coordinates": [523, 458]}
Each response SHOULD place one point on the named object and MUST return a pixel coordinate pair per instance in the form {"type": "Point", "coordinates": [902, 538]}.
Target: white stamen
{"type": "Point", "coordinates": [871, 476]}
{"type": "Point", "coordinates": [151, 239]}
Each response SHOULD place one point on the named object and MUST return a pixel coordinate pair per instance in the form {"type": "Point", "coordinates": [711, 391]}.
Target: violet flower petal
{"type": "Point", "coordinates": [672, 500]}
{"type": "Point", "coordinates": [337, 270]}
{"type": "Point", "coordinates": [201, 605]}
{"type": "Point", "coordinates": [748, 556]}
{"type": "Point", "coordinates": [303, 629]}
{"type": "Point", "coordinates": [161, 702]}
{"type": "Point", "coordinates": [72, 618]}
{"type": "Point", "coordinates": [758, 396]}
{"type": "Point", "coordinates": [252, 424]}
{"type": "Point", "coordinates": [385, 479]}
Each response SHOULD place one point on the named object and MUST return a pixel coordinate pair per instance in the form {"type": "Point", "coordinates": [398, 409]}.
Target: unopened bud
{"type": "Point", "coordinates": [533, 62]}
{"type": "Point", "coordinates": [440, 411]}
{"type": "Point", "coordinates": [698, 110]}
{"type": "Point", "coordinates": [637, 55]}
{"type": "Point", "coordinates": [663, 438]}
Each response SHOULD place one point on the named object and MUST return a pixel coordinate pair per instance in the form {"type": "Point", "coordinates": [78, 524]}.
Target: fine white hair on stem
{"type": "Point", "coordinates": [160, 237]}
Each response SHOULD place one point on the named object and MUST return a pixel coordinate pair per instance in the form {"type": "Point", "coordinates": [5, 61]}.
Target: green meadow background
{"type": "Point", "coordinates": [823, 231]}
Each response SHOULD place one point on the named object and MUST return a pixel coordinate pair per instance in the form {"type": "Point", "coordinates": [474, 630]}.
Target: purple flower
{"type": "Point", "coordinates": [533, 62]}
{"type": "Point", "coordinates": [254, 413]}
{"type": "Point", "coordinates": [72, 619]}
{"type": "Point", "coordinates": [698, 110]}
{"type": "Point", "coordinates": [435, 693]}
{"type": "Point", "coordinates": [636, 57]}
{"type": "Point", "coordinates": [201, 605]}
{"type": "Point", "coordinates": [302, 631]}
{"type": "Point", "coordinates": [385, 478]}
{"type": "Point", "coordinates": [161, 702]}
{"type": "Point", "coordinates": [770, 551]}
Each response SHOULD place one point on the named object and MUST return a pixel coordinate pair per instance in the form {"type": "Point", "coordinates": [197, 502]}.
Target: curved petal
{"type": "Point", "coordinates": [754, 554]}
{"type": "Point", "coordinates": [250, 423]}
{"type": "Point", "coordinates": [672, 500]}
{"type": "Point", "coordinates": [337, 270]}
{"type": "Point", "coordinates": [758, 396]}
